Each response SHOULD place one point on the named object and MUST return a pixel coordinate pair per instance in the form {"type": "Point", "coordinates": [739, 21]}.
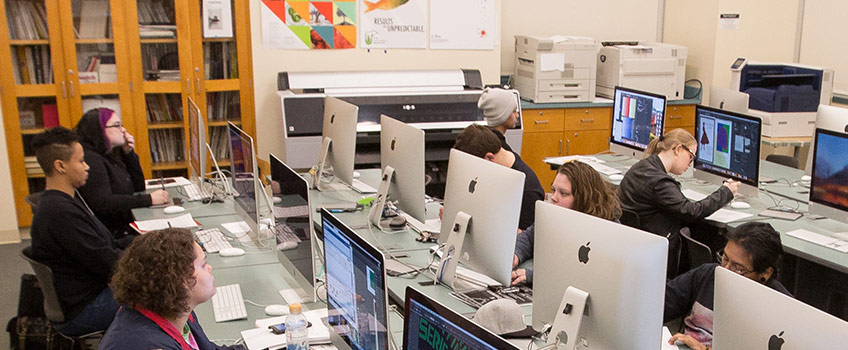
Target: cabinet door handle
{"type": "Point", "coordinates": [568, 147]}
{"type": "Point", "coordinates": [540, 121]}
{"type": "Point", "coordinates": [197, 86]}
{"type": "Point", "coordinates": [188, 85]}
{"type": "Point", "coordinates": [587, 120]}
{"type": "Point", "coordinates": [560, 148]}
{"type": "Point", "coordinates": [64, 90]}
{"type": "Point", "coordinates": [71, 88]}
{"type": "Point", "coordinates": [675, 117]}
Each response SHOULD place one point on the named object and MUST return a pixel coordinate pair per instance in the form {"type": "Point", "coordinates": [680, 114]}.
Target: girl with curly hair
{"type": "Point", "coordinates": [159, 281]}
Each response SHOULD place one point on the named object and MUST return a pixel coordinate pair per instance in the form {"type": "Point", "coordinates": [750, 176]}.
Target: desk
{"type": "Point", "coordinates": [197, 208]}
{"type": "Point", "coordinates": [798, 144]}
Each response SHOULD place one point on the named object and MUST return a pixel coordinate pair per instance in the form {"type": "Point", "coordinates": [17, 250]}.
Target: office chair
{"type": "Point", "coordinates": [630, 218]}
{"type": "Point", "coordinates": [783, 160]}
{"type": "Point", "coordinates": [699, 253]}
{"type": "Point", "coordinates": [32, 200]}
{"type": "Point", "coordinates": [52, 309]}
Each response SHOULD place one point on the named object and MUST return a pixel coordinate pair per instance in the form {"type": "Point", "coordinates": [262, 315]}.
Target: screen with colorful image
{"type": "Point", "coordinates": [728, 144]}
{"type": "Point", "coordinates": [637, 117]}
{"type": "Point", "coordinates": [829, 184]}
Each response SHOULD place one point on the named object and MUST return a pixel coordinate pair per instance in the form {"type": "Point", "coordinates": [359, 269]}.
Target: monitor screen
{"type": "Point", "coordinates": [830, 118]}
{"type": "Point", "coordinates": [829, 184]}
{"type": "Point", "coordinates": [243, 169]}
{"type": "Point", "coordinates": [197, 142]}
{"type": "Point", "coordinates": [356, 287]}
{"type": "Point", "coordinates": [728, 144]}
{"type": "Point", "coordinates": [429, 325]}
{"type": "Point", "coordinates": [637, 117]}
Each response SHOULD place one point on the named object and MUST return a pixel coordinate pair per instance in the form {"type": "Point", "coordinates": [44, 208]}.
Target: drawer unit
{"type": "Point", "coordinates": [541, 120]}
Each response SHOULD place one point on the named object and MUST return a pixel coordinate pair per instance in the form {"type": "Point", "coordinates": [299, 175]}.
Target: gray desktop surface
{"type": "Point", "coordinates": [255, 252]}
{"type": "Point", "coordinates": [197, 209]}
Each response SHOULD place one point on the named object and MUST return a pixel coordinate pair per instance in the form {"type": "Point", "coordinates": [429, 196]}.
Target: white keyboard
{"type": "Point", "coordinates": [212, 239]}
{"type": "Point", "coordinates": [228, 304]}
{"type": "Point", "coordinates": [193, 192]}
{"type": "Point", "coordinates": [287, 212]}
{"type": "Point", "coordinates": [362, 187]}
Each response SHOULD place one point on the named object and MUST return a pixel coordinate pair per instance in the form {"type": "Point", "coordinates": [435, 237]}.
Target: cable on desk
{"type": "Point", "coordinates": [417, 269]}
{"type": "Point", "coordinates": [254, 303]}
{"type": "Point", "coordinates": [700, 88]}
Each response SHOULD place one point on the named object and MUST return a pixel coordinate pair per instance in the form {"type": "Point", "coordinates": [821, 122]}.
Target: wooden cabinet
{"type": "Point", "coordinates": [142, 58]}
{"type": "Point", "coordinates": [680, 116]}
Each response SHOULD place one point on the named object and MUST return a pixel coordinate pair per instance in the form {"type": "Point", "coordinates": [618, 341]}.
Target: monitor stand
{"type": "Point", "coordinates": [319, 168]}
{"type": "Point", "coordinates": [228, 191]}
{"type": "Point", "coordinates": [451, 253]}
{"type": "Point", "coordinates": [379, 202]}
{"type": "Point", "coordinates": [565, 330]}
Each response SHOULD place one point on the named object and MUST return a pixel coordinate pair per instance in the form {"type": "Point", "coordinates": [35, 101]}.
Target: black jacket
{"type": "Point", "coordinates": [532, 192]}
{"type": "Point", "coordinates": [76, 246]}
{"type": "Point", "coordinates": [110, 189]}
{"type": "Point", "coordinates": [649, 191]}
{"type": "Point", "coordinates": [503, 140]}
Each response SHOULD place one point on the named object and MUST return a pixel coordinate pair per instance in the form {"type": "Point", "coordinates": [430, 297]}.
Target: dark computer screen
{"type": "Point", "coordinates": [243, 168]}
{"type": "Point", "coordinates": [637, 117]}
{"type": "Point", "coordinates": [430, 326]}
{"type": "Point", "coordinates": [292, 216]}
{"type": "Point", "coordinates": [356, 294]}
{"type": "Point", "coordinates": [829, 184]}
{"type": "Point", "coordinates": [728, 144]}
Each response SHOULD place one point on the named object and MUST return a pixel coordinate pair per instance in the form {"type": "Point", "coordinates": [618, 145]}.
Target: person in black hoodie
{"type": "Point", "coordinates": [649, 190]}
{"type": "Point", "coordinates": [115, 173]}
{"type": "Point", "coordinates": [68, 238]}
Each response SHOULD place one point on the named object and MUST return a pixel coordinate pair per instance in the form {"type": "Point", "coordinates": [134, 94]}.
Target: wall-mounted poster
{"type": "Point", "coordinates": [399, 24]}
{"type": "Point", "coordinates": [308, 24]}
{"type": "Point", "coordinates": [463, 25]}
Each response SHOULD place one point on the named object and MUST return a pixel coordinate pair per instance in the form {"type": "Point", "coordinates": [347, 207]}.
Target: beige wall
{"type": "Point", "coordinates": [821, 40]}
{"type": "Point", "coordinates": [696, 32]}
{"type": "Point", "coordinates": [9, 223]}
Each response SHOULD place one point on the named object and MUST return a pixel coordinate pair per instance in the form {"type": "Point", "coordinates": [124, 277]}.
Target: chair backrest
{"type": "Point", "coordinates": [52, 308]}
{"type": "Point", "coordinates": [630, 218]}
{"type": "Point", "coordinates": [32, 200]}
{"type": "Point", "coordinates": [783, 160]}
{"type": "Point", "coordinates": [699, 253]}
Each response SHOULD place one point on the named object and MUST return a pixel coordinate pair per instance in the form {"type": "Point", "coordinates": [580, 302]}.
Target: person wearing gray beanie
{"type": "Point", "coordinates": [500, 108]}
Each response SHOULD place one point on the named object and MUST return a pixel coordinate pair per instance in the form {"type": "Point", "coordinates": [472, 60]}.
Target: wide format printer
{"type": "Point", "coordinates": [650, 66]}
{"type": "Point", "coordinates": [556, 69]}
{"type": "Point", "coordinates": [786, 96]}
{"type": "Point", "coordinates": [442, 102]}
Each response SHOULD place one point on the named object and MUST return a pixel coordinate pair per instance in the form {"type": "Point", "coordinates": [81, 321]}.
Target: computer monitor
{"type": "Point", "coordinates": [621, 268]}
{"type": "Point", "coordinates": [728, 99]}
{"type": "Point", "coordinates": [357, 301]}
{"type": "Point", "coordinates": [637, 118]}
{"type": "Point", "coordinates": [483, 199]}
{"type": "Point", "coordinates": [294, 217]}
{"type": "Point", "coordinates": [196, 144]}
{"type": "Point", "coordinates": [338, 148]}
{"type": "Point", "coordinates": [749, 315]}
{"type": "Point", "coordinates": [245, 176]}
{"type": "Point", "coordinates": [829, 183]}
{"type": "Point", "coordinates": [728, 148]}
{"type": "Point", "coordinates": [828, 118]}
{"type": "Point", "coordinates": [427, 325]}
{"type": "Point", "coordinates": [402, 161]}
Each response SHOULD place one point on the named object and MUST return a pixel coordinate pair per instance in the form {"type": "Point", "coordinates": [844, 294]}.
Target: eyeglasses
{"type": "Point", "coordinates": [119, 125]}
{"type": "Point", "coordinates": [691, 155]}
{"type": "Point", "coordinates": [732, 266]}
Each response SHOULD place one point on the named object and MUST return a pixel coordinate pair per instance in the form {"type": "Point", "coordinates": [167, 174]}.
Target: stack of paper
{"type": "Point", "coordinates": [261, 337]}
{"type": "Point", "coordinates": [182, 221]}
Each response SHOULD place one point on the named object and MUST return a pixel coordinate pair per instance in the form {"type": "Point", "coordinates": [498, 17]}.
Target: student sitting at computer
{"type": "Point", "coordinates": [160, 279]}
{"type": "Point", "coordinates": [500, 107]}
{"type": "Point", "coordinates": [576, 186]}
{"type": "Point", "coordinates": [115, 173]}
{"type": "Point", "coordinates": [649, 190]}
{"type": "Point", "coordinates": [69, 239]}
{"type": "Point", "coordinates": [479, 141]}
{"type": "Point", "coordinates": [753, 250]}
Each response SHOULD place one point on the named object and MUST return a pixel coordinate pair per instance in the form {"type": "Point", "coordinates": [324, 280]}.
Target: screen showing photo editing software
{"type": "Point", "coordinates": [829, 185]}
{"type": "Point", "coordinates": [728, 144]}
{"type": "Point", "coordinates": [637, 118]}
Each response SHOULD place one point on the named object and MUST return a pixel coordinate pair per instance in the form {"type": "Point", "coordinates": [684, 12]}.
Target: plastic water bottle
{"type": "Point", "coordinates": [297, 336]}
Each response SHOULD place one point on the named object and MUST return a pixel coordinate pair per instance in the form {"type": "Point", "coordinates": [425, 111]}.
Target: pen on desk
{"type": "Point", "coordinates": [162, 179]}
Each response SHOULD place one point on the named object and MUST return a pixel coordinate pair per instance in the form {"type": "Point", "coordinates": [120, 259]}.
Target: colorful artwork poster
{"type": "Point", "coordinates": [400, 24]}
{"type": "Point", "coordinates": [305, 24]}
{"type": "Point", "coordinates": [463, 25]}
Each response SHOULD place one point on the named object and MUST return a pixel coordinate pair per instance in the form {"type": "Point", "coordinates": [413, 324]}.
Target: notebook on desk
{"type": "Point", "coordinates": [262, 338]}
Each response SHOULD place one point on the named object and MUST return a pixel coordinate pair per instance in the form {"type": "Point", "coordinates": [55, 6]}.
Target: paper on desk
{"type": "Point", "coordinates": [726, 215]}
{"type": "Point", "coordinates": [261, 337]}
{"type": "Point", "coordinates": [238, 229]}
{"type": "Point", "coordinates": [693, 195]}
{"type": "Point", "coordinates": [182, 221]}
{"type": "Point", "coordinates": [563, 159]}
{"type": "Point", "coordinates": [666, 335]}
{"type": "Point", "coordinates": [154, 184]}
{"type": "Point", "coordinates": [820, 239]}
{"type": "Point", "coordinates": [552, 61]}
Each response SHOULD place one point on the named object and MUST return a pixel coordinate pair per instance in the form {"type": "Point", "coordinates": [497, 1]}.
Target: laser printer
{"type": "Point", "coordinates": [556, 68]}
{"type": "Point", "coordinates": [649, 66]}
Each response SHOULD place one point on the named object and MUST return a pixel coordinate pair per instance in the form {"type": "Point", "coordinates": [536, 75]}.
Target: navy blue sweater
{"type": "Point", "coordinates": [132, 330]}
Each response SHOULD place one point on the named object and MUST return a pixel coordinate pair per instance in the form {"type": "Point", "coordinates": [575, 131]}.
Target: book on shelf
{"type": "Point", "coordinates": [27, 119]}
{"type": "Point", "coordinates": [49, 115]}
{"type": "Point", "coordinates": [94, 19]}
{"type": "Point", "coordinates": [27, 20]}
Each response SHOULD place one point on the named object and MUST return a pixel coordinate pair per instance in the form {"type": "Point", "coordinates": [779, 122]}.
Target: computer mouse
{"type": "Point", "coordinates": [173, 209]}
{"type": "Point", "coordinates": [227, 252]}
{"type": "Point", "coordinates": [277, 199]}
{"type": "Point", "coordinates": [356, 174]}
{"type": "Point", "coordinates": [806, 178]}
{"type": "Point", "coordinates": [287, 245]}
{"type": "Point", "coordinates": [276, 310]}
{"type": "Point", "coordinates": [740, 205]}
{"type": "Point", "coordinates": [397, 222]}
{"type": "Point", "coordinates": [616, 177]}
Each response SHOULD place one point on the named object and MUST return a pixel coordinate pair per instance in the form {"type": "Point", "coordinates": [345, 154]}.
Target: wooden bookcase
{"type": "Point", "coordinates": [70, 56]}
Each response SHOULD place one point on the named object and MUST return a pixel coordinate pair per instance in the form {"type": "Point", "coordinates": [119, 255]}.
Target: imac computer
{"type": "Point", "coordinates": [749, 315]}
{"type": "Point", "coordinates": [357, 300]}
{"type": "Point", "coordinates": [829, 183]}
{"type": "Point", "coordinates": [338, 148]}
{"type": "Point", "coordinates": [293, 227]}
{"type": "Point", "coordinates": [828, 118]}
{"type": "Point", "coordinates": [728, 148]}
{"type": "Point", "coordinates": [611, 275]}
{"type": "Point", "coordinates": [402, 161]}
{"type": "Point", "coordinates": [728, 99]}
{"type": "Point", "coordinates": [637, 118]}
{"type": "Point", "coordinates": [427, 324]}
{"type": "Point", "coordinates": [245, 179]}
{"type": "Point", "coordinates": [480, 218]}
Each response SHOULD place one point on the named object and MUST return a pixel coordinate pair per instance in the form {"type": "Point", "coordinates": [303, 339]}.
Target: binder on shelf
{"type": "Point", "coordinates": [49, 115]}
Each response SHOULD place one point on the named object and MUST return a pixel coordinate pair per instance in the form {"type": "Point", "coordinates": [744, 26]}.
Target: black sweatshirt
{"type": "Point", "coordinates": [532, 192]}
{"type": "Point", "coordinates": [76, 246]}
{"type": "Point", "coordinates": [109, 189]}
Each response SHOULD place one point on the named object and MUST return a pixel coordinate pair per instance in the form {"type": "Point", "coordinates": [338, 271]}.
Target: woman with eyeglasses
{"type": "Point", "coordinates": [753, 250]}
{"type": "Point", "coordinates": [649, 191]}
{"type": "Point", "coordinates": [115, 173]}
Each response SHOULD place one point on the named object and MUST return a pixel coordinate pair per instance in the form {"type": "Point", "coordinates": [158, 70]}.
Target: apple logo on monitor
{"type": "Point", "coordinates": [472, 185]}
{"type": "Point", "coordinates": [583, 253]}
{"type": "Point", "coordinates": [775, 342]}
{"type": "Point", "coordinates": [393, 143]}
